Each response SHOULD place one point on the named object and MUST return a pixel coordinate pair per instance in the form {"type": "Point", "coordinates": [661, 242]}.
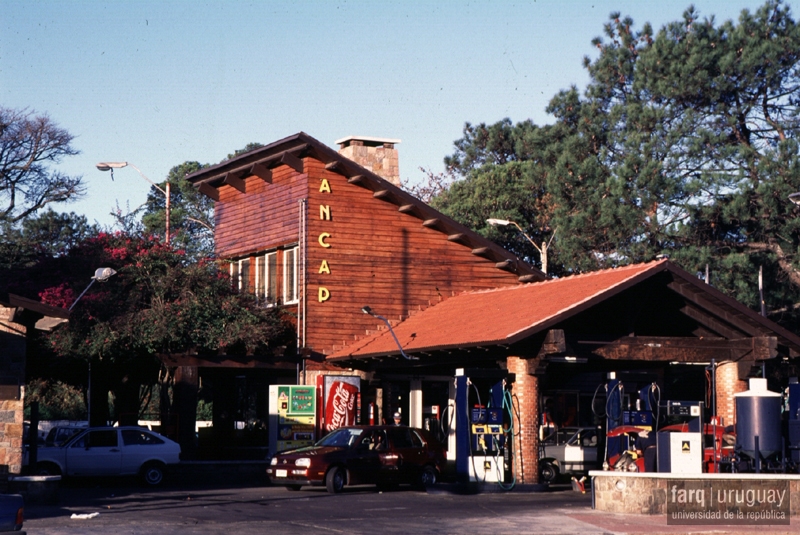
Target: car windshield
{"type": "Point", "coordinates": [341, 438]}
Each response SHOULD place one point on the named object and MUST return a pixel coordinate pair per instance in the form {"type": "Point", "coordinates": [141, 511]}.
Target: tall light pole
{"type": "Point", "coordinates": [110, 166]}
{"type": "Point", "coordinates": [102, 275]}
{"type": "Point", "coordinates": [542, 250]}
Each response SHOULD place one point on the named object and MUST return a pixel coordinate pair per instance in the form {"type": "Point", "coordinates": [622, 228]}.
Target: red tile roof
{"type": "Point", "coordinates": [500, 316]}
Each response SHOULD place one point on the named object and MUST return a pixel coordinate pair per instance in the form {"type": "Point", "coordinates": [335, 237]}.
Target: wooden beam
{"type": "Point", "coordinates": [262, 172]}
{"type": "Point", "coordinates": [711, 323]}
{"type": "Point", "coordinates": [504, 264]}
{"type": "Point", "coordinates": [667, 349]}
{"type": "Point", "coordinates": [335, 166]}
{"type": "Point", "coordinates": [209, 191]}
{"type": "Point", "coordinates": [431, 223]}
{"type": "Point", "coordinates": [697, 299]}
{"type": "Point", "coordinates": [232, 179]}
{"type": "Point", "coordinates": [407, 209]}
{"type": "Point", "coordinates": [356, 179]}
{"type": "Point", "coordinates": [292, 161]}
{"type": "Point", "coordinates": [481, 251]}
{"type": "Point", "coordinates": [458, 238]}
{"type": "Point", "coordinates": [554, 342]}
{"type": "Point", "coordinates": [528, 278]}
{"type": "Point", "coordinates": [383, 194]}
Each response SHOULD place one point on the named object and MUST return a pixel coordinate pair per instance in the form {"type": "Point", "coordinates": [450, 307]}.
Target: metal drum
{"type": "Point", "coordinates": [758, 414]}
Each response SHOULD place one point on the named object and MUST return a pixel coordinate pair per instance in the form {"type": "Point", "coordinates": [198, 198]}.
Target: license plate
{"type": "Point", "coordinates": [281, 473]}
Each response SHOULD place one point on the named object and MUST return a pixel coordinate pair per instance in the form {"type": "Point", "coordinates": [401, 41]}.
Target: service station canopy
{"type": "Point", "coordinates": [654, 312]}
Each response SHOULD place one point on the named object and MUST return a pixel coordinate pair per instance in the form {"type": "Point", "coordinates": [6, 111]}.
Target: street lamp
{"type": "Point", "coordinates": [542, 250]}
{"type": "Point", "coordinates": [110, 166]}
{"type": "Point", "coordinates": [368, 310]}
{"type": "Point", "coordinates": [102, 275]}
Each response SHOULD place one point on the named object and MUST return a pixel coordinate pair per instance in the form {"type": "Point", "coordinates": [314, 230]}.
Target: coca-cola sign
{"type": "Point", "coordinates": [340, 405]}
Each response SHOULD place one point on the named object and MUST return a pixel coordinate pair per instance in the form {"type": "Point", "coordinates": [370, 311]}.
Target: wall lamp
{"type": "Point", "coordinates": [367, 310]}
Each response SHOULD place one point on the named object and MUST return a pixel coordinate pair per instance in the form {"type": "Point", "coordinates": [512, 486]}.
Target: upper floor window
{"type": "Point", "coordinates": [290, 257]}
{"type": "Point", "coordinates": [240, 274]}
{"type": "Point", "coordinates": [267, 277]}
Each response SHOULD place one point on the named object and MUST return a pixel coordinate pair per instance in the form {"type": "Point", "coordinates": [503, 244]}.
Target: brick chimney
{"type": "Point", "coordinates": [374, 153]}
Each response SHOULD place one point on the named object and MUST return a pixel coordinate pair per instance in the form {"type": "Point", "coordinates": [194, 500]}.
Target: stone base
{"type": "Point", "coordinates": [646, 493]}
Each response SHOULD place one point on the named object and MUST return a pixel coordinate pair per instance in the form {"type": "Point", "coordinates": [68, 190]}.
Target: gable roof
{"type": "Point", "coordinates": [508, 315]}
{"type": "Point", "coordinates": [288, 151]}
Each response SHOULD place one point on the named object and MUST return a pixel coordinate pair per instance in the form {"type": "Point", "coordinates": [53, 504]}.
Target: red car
{"type": "Point", "coordinates": [362, 455]}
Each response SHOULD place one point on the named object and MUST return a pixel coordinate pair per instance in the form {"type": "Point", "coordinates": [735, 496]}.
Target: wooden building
{"type": "Point", "coordinates": [309, 229]}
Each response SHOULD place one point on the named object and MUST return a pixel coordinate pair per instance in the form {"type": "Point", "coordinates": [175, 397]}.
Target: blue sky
{"type": "Point", "coordinates": [163, 82]}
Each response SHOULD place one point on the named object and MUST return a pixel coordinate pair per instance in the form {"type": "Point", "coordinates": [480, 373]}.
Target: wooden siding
{"type": "Point", "coordinates": [379, 257]}
{"type": "Point", "coordinates": [263, 218]}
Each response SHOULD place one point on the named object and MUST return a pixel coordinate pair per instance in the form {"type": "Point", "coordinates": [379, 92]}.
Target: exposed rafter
{"type": "Point", "coordinates": [686, 292]}
{"type": "Point", "coordinates": [233, 180]}
{"type": "Point", "coordinates": [711, 323]}
{"type": "Point", "coordinates": [262, 172]}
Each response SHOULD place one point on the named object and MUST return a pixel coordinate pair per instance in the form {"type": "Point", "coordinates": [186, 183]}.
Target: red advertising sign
{"type": "Point", "coordinates": [340, 405]}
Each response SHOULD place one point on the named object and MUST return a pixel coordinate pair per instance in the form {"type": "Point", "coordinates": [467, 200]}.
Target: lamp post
{"type": "Point", "coordinates": [110, 166]}
{"type": "Point", "coordinates": [102, 275]}
{"type": "Point", "coordinates": [542, 250]}
{"type": "Point", "coordinates": [368, 310]}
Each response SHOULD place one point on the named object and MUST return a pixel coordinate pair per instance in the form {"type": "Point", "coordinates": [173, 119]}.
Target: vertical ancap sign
{"type": "Point", "coordinates": [325, 215]}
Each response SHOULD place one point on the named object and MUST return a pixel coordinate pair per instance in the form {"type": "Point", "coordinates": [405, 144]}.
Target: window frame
{"type": "Point", "coordinates": [236, 274]}
{"type": "Point", "coordinates": [266, 278]}
{"type": "Point", "coordinates": [292, 251]}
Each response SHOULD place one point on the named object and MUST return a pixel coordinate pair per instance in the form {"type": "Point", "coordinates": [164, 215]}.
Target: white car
{"type": "Point", "coordinates": [570, 450]}
{"type": "Point", "coordinates": [111, 451]}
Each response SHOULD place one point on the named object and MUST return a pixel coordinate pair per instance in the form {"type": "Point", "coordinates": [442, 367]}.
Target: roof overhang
{"type": "Point", "coordinates": [290, 150]}
{"type": "Point", "coordinates": [30, 312]}
{"type": "Point", "coordinates": [742, 321]}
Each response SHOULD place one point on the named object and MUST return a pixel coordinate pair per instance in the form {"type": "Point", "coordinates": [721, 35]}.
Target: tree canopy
{"type": "Point", "coordinates": [29, 145]}
{"type": "Point", "coordinates": [191, 213]}
{"type": "Point", "coordinates": [159, 302]}
{"type": "Point", "coordinates": [683, 143]}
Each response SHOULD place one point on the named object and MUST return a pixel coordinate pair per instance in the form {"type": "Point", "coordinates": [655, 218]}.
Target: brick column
{"type": "Point", "coordinates": [525, 394]}
{"type": "Point", "coordinates": [728, 384]}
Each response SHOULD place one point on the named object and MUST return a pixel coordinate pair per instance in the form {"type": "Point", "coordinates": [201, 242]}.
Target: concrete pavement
{"type": "Point", "coordinates": [239, 500]}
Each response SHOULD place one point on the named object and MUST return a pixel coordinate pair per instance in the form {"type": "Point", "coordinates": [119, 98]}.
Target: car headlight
{"type": "Point", "coordinates": [274, 461]}
{"type": "Point", "coordinates": [303, 462]}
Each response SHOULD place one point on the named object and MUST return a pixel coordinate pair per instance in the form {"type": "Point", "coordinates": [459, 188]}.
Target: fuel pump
{"type": "Point", "coordinates": [614, 394]}
{"type": "Point", "coordinates": [482, 454]}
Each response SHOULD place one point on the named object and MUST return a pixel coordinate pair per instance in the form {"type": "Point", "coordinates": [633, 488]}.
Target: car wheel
{"type": "Point", "coordinates": [334, 481]}
{"type": "Point", "coordinates": [427, 478]}
{"type": "Point", "coordinates": [47, 469]}
{"type": "Point", "coordinates": [293, 487]}
{"type": "Point", "coordinates": [153, 474]}
{"type": "Point", "coordinates": [548, 472]}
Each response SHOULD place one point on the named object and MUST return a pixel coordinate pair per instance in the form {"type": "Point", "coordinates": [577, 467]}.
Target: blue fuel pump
{"type": "Point", "coordinates": [481, 451]}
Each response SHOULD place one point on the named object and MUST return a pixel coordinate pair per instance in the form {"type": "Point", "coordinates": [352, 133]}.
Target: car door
{"type": "Point", "coordinates": [363, 461]}
{"type": "Point", "coordinates": [409, 451]}
{"type": "Point", "coordinates": [95, 453]}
